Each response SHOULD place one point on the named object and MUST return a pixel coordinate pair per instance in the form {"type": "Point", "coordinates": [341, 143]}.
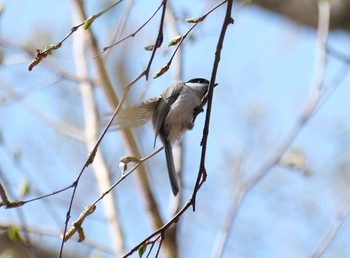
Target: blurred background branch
{"type": "Point", "coordinates": [303, 12]}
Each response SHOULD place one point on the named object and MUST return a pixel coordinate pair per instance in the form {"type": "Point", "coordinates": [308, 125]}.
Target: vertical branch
{"type": "Point", "coordinates": [202, 170]}
{"type": "Point", "coordinates": [159, 39]}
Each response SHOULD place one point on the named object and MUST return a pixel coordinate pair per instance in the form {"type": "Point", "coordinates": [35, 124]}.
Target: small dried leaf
{"type": "Point", "coordinates": [81, 234]}
{"type": "Point", "coordinates": [295, 159]}
{"type": "Point", "coordinates": [69, 234]}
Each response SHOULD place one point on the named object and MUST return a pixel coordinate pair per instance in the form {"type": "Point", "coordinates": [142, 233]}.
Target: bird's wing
{"type": "Point", "coordinates": [168, 97]}
{"type": "Point", "coordinates": [137, 115]}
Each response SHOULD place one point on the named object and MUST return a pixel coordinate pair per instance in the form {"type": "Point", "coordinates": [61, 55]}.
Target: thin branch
{"type": "Point", "coordinates": [153, 243]}
{"type": "Point", "coordinates": [202, 170]}
{"type": "Point", "coordinates": [12, 96]}
{"type": "Point", "coordinates": [119, 28]}
{"type": "Point", "coordinates": [337, 54]}
{"type": "Point", "coordinates": [125, 175]}
{"type": "Point", "coordinates": [61, 190]}
{"type": "Point", "coordinates": [160, 244]}
{"type": "Point", "coordinates": [196, 21]}
{"type": "Point", "coordinates": [87, 211]}
{"type": "Point", "coordinates": [333, 229]}
{"type": "Point", "coordinates": [159, 39]}
{"type": "Point", "coordinates": [42, 54]}
{"type": "Point", "coordinates": [132, 34]}
{"type": "Point", "coordinates": [161, 230]}
{"type": "Point", "coordinates": [50, 232]}
{"type": "Point", "coordinates": [54, 67]}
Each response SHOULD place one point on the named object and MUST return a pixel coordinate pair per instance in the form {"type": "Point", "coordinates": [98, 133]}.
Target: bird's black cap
{"type": "Point", "coordinates": [199, 80]}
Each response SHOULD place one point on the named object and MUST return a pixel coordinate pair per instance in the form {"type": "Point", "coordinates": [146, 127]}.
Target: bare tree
{"type": "Point", "coordinates": [82, 181]}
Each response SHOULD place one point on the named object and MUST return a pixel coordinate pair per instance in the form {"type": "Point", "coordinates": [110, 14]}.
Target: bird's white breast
{"type": "Point", "coordinates": [182, 114]}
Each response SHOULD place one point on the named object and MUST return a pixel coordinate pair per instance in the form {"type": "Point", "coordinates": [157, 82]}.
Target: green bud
{"type": "Point", "coordinates": [24, 188]}
{"type": "Point", "coordinates": [194, 20]}
{"type": "Point", "coordinates": [13, 233]}
{"type": "Point", "coordinates": [142, 249]}
{"type": "Point", "coordinates": [88, 22]}
{"type": "Point", "coordinates": [162, 70]}
{"type": "Point", "coordinates": [149, 47]}
{"type": "Point", "coordinates": [175, 41]}
{"type": "Point", "coordinates": [127, 159]}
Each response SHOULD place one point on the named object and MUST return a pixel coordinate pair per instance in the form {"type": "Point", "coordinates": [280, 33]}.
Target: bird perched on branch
{"type": "Point", "coordinates": [172, 114]}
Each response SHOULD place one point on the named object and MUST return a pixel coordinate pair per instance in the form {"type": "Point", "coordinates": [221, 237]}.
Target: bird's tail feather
{"type": "Point", "coordinates": [171, 168]}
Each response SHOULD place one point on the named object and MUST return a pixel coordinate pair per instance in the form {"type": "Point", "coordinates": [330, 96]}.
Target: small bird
{"type": "Point", "coordinates": [172, 113]}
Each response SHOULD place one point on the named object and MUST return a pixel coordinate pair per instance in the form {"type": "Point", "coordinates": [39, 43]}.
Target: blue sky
{"type": "Point", "coordinates": [264, 79]}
